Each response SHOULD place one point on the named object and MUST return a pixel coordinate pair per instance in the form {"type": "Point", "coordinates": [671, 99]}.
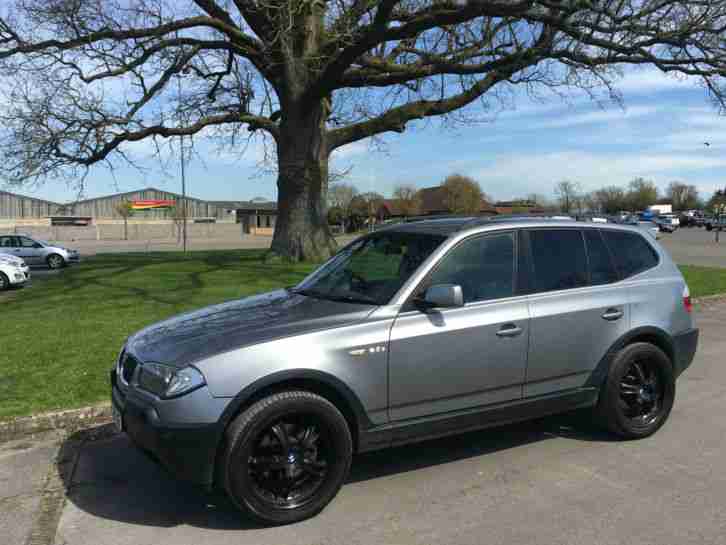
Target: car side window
{"type": "Point", "coordinates": [602, 270]}
{"type": "Point", "coordinates": [26, 242]}
{"type": "Point", "coordinates": [559, 258]}
{"type": "Point", "coordinates": [483, 266]}
{"type": "Point", "coordinates": [7, 242]}
{"type": "Point", "coordinates": [631, 252]}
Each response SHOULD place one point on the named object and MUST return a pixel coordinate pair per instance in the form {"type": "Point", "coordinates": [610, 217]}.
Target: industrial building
{"type": "Point", "coordinates": [149, 205]}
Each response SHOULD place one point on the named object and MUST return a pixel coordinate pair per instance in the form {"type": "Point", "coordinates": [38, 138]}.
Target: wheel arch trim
{"type": "Point", "coordinates": [651, 334]}
{"type": "Point", "coordinates": [291, 376]}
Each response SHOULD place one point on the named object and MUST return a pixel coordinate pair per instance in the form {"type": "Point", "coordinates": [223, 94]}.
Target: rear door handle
{"type": "Point", "coordinates": [509, 330]}
{"type": "Point", "coordinates": [612, 314]}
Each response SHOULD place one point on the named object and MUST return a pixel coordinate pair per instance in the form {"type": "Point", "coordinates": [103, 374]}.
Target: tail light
{"type": "Point", "coordinates": [687, 304]}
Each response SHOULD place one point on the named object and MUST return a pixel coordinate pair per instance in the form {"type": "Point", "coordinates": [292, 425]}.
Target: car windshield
{"type": "Point", "coordinates": [372, 269]}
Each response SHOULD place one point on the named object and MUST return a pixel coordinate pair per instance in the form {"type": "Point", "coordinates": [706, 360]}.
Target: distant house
{"type": "Point", "coordinates": [518, 207]}
{"type": "Point", "coordinates": [433, 202]}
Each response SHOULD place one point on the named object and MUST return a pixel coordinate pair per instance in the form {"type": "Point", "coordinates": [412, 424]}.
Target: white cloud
{"type": "Point", "coordinates": [509, 176]}
{"type": "Point", "coordinates": [594, 117]}
{"type": "Point", "coordinates": [652, 80]}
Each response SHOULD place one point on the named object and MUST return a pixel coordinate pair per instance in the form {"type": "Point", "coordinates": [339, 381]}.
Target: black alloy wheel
{"type": "Point", "coordinates": [286, 457]}
{"type": "Point", "coordinates": [637, 396]}
{"type": "Point", "coordinates": [641, 392]}
{"type": "Point", "coordinates": [290, 461]}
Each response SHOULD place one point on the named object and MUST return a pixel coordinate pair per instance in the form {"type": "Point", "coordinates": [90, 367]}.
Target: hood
{"type": "Point", "coordinates": [220, 328]}
{"type": "Point", "coordinates": [7, 258]}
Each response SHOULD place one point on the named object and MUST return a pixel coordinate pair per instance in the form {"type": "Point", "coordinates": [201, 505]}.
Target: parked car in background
{"type": "Point", "coordinates": [666, 224]}
{"type": "Point", "coordinates": [13, 272]}
{"type": "Point", "coordinates": [421, 330]}
{"type": "Point", "coordinates": [713, 222]}
{"type": "Point", "coordinates": [37, 252]}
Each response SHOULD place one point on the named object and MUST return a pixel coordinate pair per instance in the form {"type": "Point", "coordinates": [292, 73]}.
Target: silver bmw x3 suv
{"type": "Point", "coordinates": [418, 331]}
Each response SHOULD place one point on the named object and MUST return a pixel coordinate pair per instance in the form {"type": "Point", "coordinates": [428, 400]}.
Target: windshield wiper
{"type": "Point", "coordinates": [341, 297]}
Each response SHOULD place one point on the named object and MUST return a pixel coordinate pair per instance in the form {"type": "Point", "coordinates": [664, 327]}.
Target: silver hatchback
{"type": "Point", "coordinates": [37, 252]}
{"type": "Point", "coordinates": [418, 331]}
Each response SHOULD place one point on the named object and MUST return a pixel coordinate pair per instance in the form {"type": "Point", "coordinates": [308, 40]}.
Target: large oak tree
{"type": "Point", "coordinates": [84, 78]}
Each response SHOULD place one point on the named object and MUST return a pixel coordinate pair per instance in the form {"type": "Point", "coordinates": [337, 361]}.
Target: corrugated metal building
{"type": "Point", "coordinates": [106, 207]}
{"type": "Point", "coordinates": [13, 206]}
{"type": "Point", "coordinates": [256, 215]}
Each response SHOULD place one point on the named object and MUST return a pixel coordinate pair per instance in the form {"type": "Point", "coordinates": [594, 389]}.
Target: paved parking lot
{"type": "Point", "coordinates": [552, 481]}
{"type": "Point", "coordinates": [693, 246]}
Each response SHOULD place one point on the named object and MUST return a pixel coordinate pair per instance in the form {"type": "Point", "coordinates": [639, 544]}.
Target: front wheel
{"type": "Point", "coordinates": [638, 394]}
{"type": "Point", "coordinates": [55, 261]}
{"type": "Point", "coordinates": [286, 457]}
{"type": "Point", "coordinates": [4, 282]}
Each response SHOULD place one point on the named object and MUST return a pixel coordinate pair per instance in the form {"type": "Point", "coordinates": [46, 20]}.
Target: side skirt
{"type": "Point", "coordinates": [422, 429]}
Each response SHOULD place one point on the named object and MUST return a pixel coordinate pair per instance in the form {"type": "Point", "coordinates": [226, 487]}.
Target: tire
{"type": "Point", "coordinates": [255, 457]}
{"type": "Point", "coordinates": [55, 261]}
{"type": "Point", "coordinates": [4, 282]}
{"type": "Point", "coordinates": [709, 227]}
{"type": "Point", "coordinates": [622, 399]}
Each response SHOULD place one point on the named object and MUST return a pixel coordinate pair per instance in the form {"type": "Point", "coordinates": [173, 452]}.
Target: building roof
{"type": "Point", "coordinates": [19, 196]}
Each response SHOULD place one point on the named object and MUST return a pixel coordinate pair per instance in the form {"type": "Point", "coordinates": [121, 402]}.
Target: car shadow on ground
{"type": "Point", "coordinates": [113, 480]}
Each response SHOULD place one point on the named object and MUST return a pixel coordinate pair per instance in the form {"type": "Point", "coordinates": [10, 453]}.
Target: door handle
{"type": "Point", "coordinates": [509, 330]}
{"type": "Point", "coordinates": [612, 314]}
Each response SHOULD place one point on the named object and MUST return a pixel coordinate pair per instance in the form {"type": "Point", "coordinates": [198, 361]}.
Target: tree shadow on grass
{"type": "Point", "coordinates": [103, 270]}
{"type": "Point", "coordinates": [114, 480]}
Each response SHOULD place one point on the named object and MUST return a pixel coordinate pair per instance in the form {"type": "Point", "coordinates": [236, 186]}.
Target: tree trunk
{"type": "Point", "coordinates": [301, 231]}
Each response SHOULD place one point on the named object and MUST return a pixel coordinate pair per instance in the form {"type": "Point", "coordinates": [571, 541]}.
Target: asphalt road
{"type": "Point", "coordinates": [552, 481]}
{"type": "Point", "coordinates": [693, 246]}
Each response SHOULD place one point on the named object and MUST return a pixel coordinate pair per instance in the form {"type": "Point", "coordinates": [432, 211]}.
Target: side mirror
{"type": "Point", "coordinates": [444, 296]}
{"type": "Point", "coordinates": [37, 245]}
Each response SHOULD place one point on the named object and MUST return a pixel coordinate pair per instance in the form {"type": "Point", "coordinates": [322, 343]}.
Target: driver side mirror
{"type": "Point", "coordinates": [37, 245]}
{"type": "Point", "coordinates": [443, 296]}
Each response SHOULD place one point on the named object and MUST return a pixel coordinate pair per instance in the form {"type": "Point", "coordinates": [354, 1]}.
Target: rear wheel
{"type": "Point", "coordinates": [55, 261]}
{"type": "Point", "coordinates": [638, 394]}
{"type": "Point", "coordinates": [286, 457]}
{"type": "Point", "coordinates": [4, 282]}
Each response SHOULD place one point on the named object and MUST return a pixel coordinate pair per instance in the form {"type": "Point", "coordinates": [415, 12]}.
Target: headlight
{"type": "Point", "coordinates": [166, 381]}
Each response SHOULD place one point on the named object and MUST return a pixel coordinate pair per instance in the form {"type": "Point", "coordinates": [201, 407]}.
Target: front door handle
{"type": "Point", "coordinates": [612, 314]}
{"type": "Point", "coordinates": [509, 330]}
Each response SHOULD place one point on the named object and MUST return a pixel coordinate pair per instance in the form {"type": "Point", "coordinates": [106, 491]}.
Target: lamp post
{"type": "Point", "coordinates": [182, 161]}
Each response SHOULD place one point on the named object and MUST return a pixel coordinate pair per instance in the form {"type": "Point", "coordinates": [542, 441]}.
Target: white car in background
{"type": "Point", "coordinates": [13, 271]}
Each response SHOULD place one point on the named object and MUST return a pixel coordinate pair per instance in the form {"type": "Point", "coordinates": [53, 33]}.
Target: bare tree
{"type": "Point", "coordinates": [611, 199]}
{"type": "Point", "coordinates": [409, 199]}
{"type": "Point", "coordinates": [340, 196]}
{"type": "Point", "coordinates": [641, 194]}
{"type": "Point", "coordinates": [84, 79]}
{"type": "Point", "coordinates": [568, 195]}
{"type": "Point", "coordinates": [125, 209]}
{"type": "Point", "coordinates": [463, 194]}
{"type": "Point", "coordinates": [682, 196]}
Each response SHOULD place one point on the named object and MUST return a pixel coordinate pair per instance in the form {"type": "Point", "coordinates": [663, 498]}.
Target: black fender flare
{"type": "Point", "coordinates": [652, 334]}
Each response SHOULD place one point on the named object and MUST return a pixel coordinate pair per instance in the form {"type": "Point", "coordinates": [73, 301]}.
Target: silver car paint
{"type": "Point", "coordinates": [38, 256]}
{"type": "Point", "coordinates": [361, 351]}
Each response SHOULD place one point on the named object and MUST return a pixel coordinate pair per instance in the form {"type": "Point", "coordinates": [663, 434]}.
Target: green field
{"type": "Point", "coordinates": [60, 338]}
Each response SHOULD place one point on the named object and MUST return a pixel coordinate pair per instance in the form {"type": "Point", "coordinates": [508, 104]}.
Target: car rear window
{"type": "Point", "coordinates": [560, 261]}
{"type": "Point", "coordinates": [631, 252]}
{"type": "Point", "coordinates": [602, 269]}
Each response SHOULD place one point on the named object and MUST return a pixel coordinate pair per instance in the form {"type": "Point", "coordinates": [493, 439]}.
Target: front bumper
{"type": "Point", "coordinates": [684, 350]}
{"type": "Point", "coordinates": [73, 258]}
{"type": "Point", "coordinates": [187, 450]}
{"type": "Point", "coordinates": [19, 276]}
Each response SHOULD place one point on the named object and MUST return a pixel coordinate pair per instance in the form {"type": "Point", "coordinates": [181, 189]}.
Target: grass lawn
{"type": "Point", "coordinates": [60, 338]}
{"type": "Point", "coordinates": [703, 281]}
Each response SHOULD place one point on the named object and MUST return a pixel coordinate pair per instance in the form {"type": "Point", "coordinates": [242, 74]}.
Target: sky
{"type": "Point", "coordinates": [657, 133]}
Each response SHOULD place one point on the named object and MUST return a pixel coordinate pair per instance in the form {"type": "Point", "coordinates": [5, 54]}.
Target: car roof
{"type": "Point", "coordinates": [454, 225]}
